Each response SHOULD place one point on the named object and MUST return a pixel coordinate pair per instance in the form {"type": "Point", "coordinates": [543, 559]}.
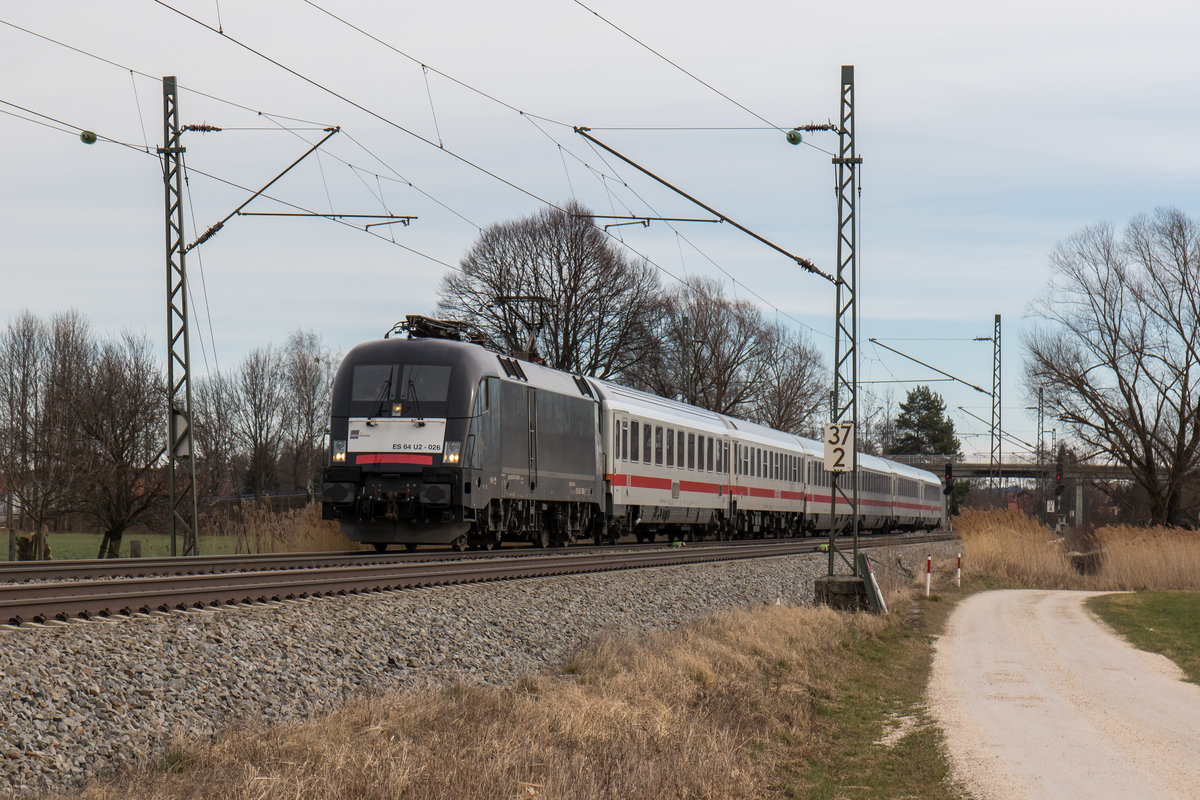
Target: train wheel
{"type": "Point", "coordinates": [541, 538]}
{"type": "Point", "coordinates": [380, 547]}
{"type": "Point", "coordinates": [459, 544]}
{"type": "Point", "coordinates": [410, 547]}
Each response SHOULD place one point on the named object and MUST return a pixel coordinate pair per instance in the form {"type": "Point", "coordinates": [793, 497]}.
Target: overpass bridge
{"type": "Point", "coordinates": [1016, 469]}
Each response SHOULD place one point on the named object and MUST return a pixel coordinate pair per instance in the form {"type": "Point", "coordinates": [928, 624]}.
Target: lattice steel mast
{"type": "Point", "coordinates": [994, 460]}
{"type": "Point", "coordinates": [845, 350]}
{"type": "Point", "coordinates": [181, 483]}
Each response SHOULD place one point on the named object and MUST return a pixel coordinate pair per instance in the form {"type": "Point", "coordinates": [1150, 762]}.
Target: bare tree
{"type": "Point", "coordinates": [1120, 360]}
{"type": "Point", "coordinates": [21, 366]}
{"type": "Point", "coordinates": [258, 417]}
{"type": "Point", "coordinates": [795, 386]}
{"type": "Point", "coordinates": [709, 350]}
{"type": "Point", "coordinates": [599, 305]}
{"type": "Point", "coordinates": [40, 370]}
{"type": "Point", "coordinates": [217, 462]}
{"type": "Point", "coordinates": [308, 369]}
{"type": "Point", "coordinates": [120, 420]}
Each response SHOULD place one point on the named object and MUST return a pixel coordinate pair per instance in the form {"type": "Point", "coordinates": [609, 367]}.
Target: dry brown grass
{"type": "Point", "coordinates": [710, 711]}
{"type": "Point", "coordinates": [1014, 549]}
{"type": "Point", "coordinates": [255, 527]}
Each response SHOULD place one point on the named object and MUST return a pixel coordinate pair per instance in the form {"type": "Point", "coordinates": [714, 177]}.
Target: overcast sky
{"type": "Point", "coordinates": [988, 135]}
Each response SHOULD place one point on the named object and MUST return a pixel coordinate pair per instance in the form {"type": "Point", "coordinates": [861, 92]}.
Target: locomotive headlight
{"type": "Point", "coordinates": [339, 451]}
{"type": "Point", "coordinates": [451, 451]}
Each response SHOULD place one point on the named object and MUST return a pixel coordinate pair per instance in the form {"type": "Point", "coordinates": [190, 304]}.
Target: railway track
{"type": "Point", "coordinates": [87, 589]}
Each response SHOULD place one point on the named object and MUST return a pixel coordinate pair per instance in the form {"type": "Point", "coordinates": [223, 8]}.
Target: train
{"type": "Point", "coordinates": [437, 439]}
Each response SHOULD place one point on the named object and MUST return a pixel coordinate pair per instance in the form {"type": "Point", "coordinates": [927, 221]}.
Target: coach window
{"type": "Point", "coordinates": [679, 442]}
{"type": "Point", "coordinates": [635, 441]}
{"type": "Point", "coordinates": [616, 439]}
{"type": "Point", "coordinates": [670, 447]}
{"type": "Point", "coordinates": [709, 445]}
{"type": "Point", "coordinates": [691, 440]}
{"type": "Point", "coordinates": [647, 438]}
{"type": "Point", "coordinates": [658, 447]}
{"type": "Point", "coordinates": [720, 452]}
{"type": "Point", "coordinates": [624, 453]}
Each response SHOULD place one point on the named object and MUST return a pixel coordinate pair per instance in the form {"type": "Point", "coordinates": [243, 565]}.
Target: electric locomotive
{"type": "Point", "coordinates": [441, 441]}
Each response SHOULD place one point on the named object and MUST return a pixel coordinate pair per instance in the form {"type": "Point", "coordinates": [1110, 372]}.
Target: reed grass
{"type": "Point", "coordinates": [255, 527]}
{"type": "Point", "coordinates": [1013, 549]}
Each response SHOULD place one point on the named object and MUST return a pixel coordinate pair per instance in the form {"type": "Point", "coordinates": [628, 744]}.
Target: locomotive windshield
{"type": "Point", "coordinates": [385, 384]}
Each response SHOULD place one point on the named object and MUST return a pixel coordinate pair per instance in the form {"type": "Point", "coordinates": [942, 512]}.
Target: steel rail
{"type": "Point", "coordinates": [80, 569]}
{"type": "Point", "coordinates": [39, 602]}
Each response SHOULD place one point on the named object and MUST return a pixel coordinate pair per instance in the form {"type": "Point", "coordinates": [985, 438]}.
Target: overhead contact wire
{"type": "Point", "coordinates": [75, 129]}
{"type": "Point", "coordinates": [702, 82]}
{"type": "Point", "coordinates": [157, 78]}
{"type": "Point", "coordinates": [359, 106]}
{"type": "Point", "coordinates": [425, 66]}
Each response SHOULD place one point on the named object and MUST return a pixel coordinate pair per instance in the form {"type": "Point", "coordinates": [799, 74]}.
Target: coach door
{"type": "Point", "coordinates": [533, 459]}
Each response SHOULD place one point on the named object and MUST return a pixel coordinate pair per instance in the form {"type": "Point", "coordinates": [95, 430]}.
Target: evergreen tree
{"type": "Point", "coordinates": [923, 427]}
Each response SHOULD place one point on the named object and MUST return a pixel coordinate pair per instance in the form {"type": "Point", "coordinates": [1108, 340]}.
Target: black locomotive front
{"type": "Point", "coordinates": [399, 419]}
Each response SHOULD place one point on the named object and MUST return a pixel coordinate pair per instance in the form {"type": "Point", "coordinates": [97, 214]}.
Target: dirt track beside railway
{"type": "Point", "coordinates": [1038, 699]}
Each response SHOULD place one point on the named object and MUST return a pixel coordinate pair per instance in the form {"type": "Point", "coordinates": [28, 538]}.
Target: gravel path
{"type": "Point", "coordinates": [82, 698]}
{"type": "Point", "coordinates": [1040, 700]}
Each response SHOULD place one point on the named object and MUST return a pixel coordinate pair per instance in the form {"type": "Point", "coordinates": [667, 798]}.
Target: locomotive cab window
{"type": "Point", "coordinates": [408, 390]}
{"type": "Point", "coordinates": [371, 383]}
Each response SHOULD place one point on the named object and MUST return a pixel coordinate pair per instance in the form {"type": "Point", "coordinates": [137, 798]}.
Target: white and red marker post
{"type": "Point", "coordinates": [958, 572]}
{"type": "Point", "coordinates": [928, 574]}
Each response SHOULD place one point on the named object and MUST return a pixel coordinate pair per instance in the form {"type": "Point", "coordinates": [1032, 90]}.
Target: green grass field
{"type": "Point", "coordinates": [67, 546]}
{"type": "Point", "coordinates": [1160, 622]}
